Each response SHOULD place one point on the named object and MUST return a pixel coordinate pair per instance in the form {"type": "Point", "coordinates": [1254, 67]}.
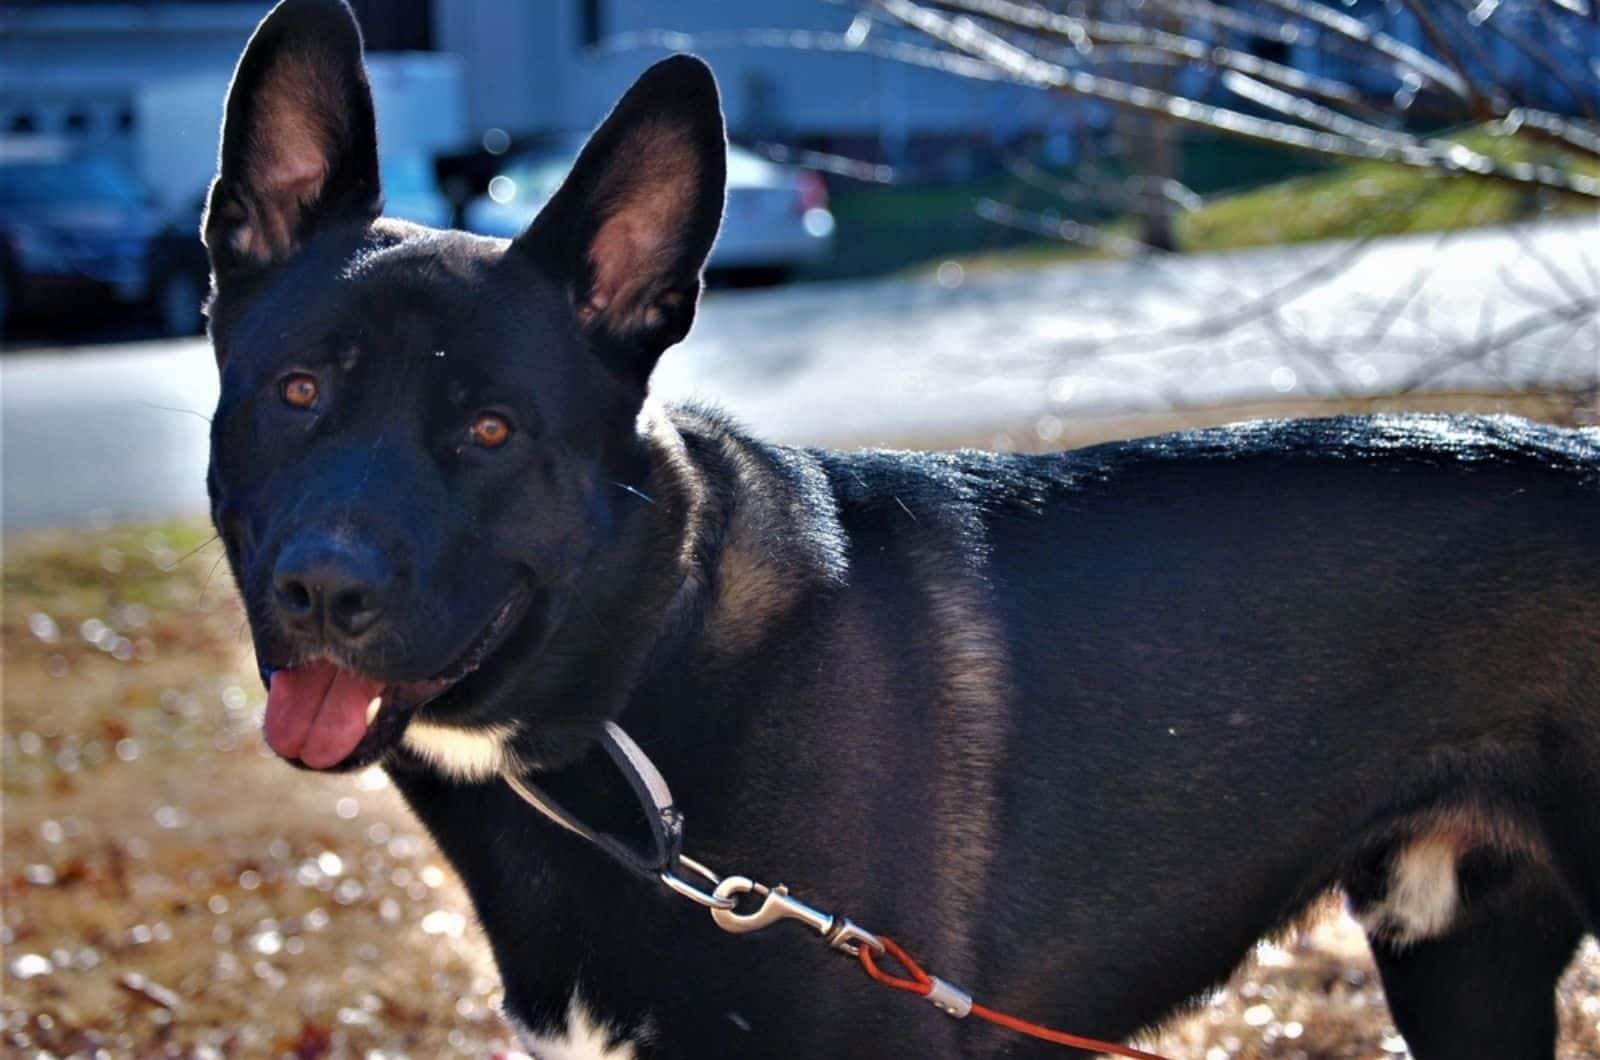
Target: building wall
{"type": "Point", "coordinates": [59, 61]}
{"type": "Point", "coordinates": [533, 71]}
{"type": "Point", "coordinates": [145, 83]}
{"type": "Point", "coordinates": [513, 57]}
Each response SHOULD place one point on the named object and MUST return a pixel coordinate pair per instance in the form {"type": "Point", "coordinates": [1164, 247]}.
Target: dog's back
{"type": "Point", "coordinates": [1069, 703]}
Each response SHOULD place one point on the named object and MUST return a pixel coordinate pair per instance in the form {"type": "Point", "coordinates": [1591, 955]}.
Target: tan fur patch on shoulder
{"type": "Point", "coordinates": [781, 539]}
{"type": "Point", "coordinates": [676, 482]}
{"type": "Point", "coordinates": [751, 592]}
{"type": "Point", "coordinates": [750, 597]}
{"type": "Point", "coordinates": [674, 475]}
{"type": "Point", "coordinates": [948, 556]}
{"type": "Point", "coordinates": [971, 729]}
{"type": "Point", "coordinates": [757, 539]}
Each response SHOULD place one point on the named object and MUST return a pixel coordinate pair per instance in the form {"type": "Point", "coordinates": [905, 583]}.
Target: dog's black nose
{"type": "Point", "coordinates": [338, 588]}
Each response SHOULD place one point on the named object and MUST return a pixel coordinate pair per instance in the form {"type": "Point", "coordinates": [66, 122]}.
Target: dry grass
{"type": "Point", "coordinates": [170, 890]}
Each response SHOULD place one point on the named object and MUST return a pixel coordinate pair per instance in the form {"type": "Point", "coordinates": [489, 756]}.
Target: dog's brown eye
{"type": "Point", "coordinates": [299, 390]}
{"type": "Point", "coordinates": [490, 431]}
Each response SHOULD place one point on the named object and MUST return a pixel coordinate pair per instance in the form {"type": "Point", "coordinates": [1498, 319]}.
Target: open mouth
{"type": "Point", "coordinates": [323, 716]}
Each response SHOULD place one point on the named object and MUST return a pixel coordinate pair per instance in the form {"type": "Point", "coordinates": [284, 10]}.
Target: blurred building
{"type": "Point", "coordinates": [143, 83]}
{"type": "Point", "coordinates": [562, 63]}
{"type": "Point", "coordinates": [91, 70]}
{"type": "Point", "coordinates": [78, 69]}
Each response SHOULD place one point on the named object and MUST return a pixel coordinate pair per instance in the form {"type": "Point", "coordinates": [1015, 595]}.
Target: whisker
{"type": "Point", "coordinates": [637, 493]}
{"type": "Point", "coordinates": [212, 573]}
{"type": "Point", "coordinates": [395, 639]}
{"type": "Point", "coordinates": [196, 549]}
{"type": "Point", "coordinates": [584, 601]}
{"type": "Point", "coordinates": [169, 408]}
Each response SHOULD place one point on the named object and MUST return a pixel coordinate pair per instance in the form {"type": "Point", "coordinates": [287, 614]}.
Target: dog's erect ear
{"type": "Point", "coordinates": [630, 228]}
{"type": "Point", "coordinates": [299, 143]}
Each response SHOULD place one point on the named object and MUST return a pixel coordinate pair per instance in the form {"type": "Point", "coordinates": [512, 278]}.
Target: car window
{"type": "Point", "coordinates": [75, 180]}
{"type": "Point", "coordinates": [745, 168]}
{"type": "Point", "coordinates": [537, 179]}
{"type": "Point", "coordinates": [534, 179]}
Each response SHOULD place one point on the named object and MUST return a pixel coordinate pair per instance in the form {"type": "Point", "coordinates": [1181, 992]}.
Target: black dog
{"type": "Point", "coordinates": [1078, 729]}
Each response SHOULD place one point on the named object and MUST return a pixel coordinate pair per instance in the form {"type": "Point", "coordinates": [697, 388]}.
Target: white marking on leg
{"type": "Point", "coordinates": [1423, 895]}
{"type": "Point", "coordinates": [464, 754]}
{"type": "Point", "coordinates": [583, 1037]}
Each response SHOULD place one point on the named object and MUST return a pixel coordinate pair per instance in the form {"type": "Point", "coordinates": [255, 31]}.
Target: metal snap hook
{"type": "Point", "coordinates": [714, 902]}
{"type": "Point", "coordinates": [777, 904]}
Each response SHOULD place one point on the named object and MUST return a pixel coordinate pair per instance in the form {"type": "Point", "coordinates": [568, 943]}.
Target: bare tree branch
{"type": "Point", "coordinates": [1552, 129]}
{"type": "Point", "coordinates": [1585, 95]}
{"type": "Point", "coordinates": [1086, 34]}
{"type": "Point", "coordinates": [1424, 66]}
{"type": "Point", "coordinates": [1483, 109]}
{"type": "Point", "coordinates": [1064, 229]}
{"type": "Point", "coordinates": [807, 41]}
{"type": "Point", "coordinates": [1012, 62]}
{"type": "Point", "coordinates": [1119, 194]}
{"type": "Point", "coordinates": [1311, 79]}
{"type": "Point", "coordinates": [826, 162]}
{"type": "Point", "coordinates": [1579, 312]}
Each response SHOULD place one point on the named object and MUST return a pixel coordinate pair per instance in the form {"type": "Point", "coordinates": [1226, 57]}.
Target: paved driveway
{"type": "Point", "coordinates": [119, 432]}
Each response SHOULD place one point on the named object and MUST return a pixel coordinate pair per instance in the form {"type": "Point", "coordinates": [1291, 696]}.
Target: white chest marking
{"type": "Point", "coordinates": [583, 1038]}
{"type": "Point", "coordinates": [465, 754]}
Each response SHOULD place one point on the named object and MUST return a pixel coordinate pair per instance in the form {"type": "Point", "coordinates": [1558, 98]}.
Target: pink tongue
{"type": "Point", "coordinates": [318, 712]}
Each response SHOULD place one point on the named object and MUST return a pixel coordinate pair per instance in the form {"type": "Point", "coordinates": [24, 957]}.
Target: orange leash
{"type": "Point", "coordinates": [777, 904]}
{"type": "Point", "coordinates": [922, 984]}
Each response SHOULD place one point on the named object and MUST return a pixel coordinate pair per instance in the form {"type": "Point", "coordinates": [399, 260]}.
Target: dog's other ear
{"type": "Point", "coordinates": [299, 143]}
{"type": "Point", "coordinates": [629, 230]}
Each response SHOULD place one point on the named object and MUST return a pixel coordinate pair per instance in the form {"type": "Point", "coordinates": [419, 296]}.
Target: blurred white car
{"type": "Point", "coordinates": [777, 216]}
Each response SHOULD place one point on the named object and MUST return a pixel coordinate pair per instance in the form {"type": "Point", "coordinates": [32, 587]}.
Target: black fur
{"type": "Point", "coordinates": [1077, 729]}
{"type": "Point", "coordinates": [620, 164]}
{"type": "Point", "coordinates": [301, 73]}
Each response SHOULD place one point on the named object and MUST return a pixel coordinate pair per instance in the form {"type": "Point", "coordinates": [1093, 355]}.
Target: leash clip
{"type": "Point", "coordinates": [678, 885]}
{"type": "Point", "coordinates": [778, 904]}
